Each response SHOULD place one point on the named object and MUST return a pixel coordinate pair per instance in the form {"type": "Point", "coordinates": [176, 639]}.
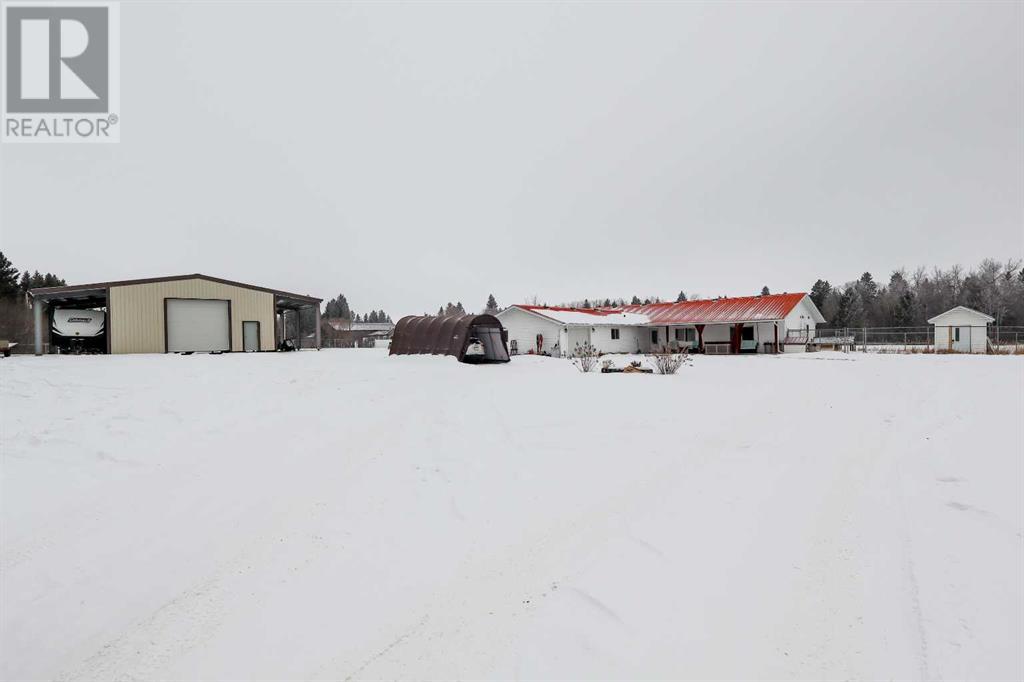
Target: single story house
{"type": "Point", "coordinates": [558, 331]}
{"type": "Point", "coordinates": [961, 330]}
{"type": "Point", "coordinates": [750, 324]}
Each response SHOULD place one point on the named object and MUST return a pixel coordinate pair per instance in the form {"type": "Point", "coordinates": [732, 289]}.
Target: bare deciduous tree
{"type": "Point", "coordinates": [665, 362]}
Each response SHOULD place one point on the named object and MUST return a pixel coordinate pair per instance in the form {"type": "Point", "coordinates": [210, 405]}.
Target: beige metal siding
{"type": "Point", "coordinates": [137, 312]}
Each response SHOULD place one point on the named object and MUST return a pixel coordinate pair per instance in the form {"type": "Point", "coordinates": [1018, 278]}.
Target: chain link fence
{"type": "Point", "coordinates": [994, 339]}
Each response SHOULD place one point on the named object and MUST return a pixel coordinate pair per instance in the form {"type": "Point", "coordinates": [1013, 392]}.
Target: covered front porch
{"type": "Point", "coordinates": [715, 339]}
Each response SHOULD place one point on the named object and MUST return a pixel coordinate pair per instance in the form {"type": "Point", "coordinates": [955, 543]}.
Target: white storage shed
{"type": "Point", "coordinates": [961, 330]}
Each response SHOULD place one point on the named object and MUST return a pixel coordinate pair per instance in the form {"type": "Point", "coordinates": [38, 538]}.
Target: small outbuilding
{"type": "Point", "coordinates": [469, 338]}
{"type": "Point", "coordinates": [961, 330]}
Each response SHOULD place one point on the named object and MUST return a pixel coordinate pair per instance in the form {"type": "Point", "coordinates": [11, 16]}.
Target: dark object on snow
{"type": "Point", "coordinates": [470, 338]}
{"type": "Point", "coordinates": [286, 345]}
{"type": "Point", "coordinates": [632, 368]}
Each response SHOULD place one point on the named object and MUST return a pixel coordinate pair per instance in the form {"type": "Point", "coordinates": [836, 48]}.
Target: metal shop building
{"type": "Point", "coordinates": [179, 314]}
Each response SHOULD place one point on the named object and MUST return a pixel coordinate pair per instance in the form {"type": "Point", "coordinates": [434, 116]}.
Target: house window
{"type": "Point", "coordinates": [514, 347]}
{"type": "Point", "coordinates": [684, 334]}
{"type": "Point", "coordinates": [654, 336]}
{"type": "Point", "coordinates": [615, 333]}
{"type": "Point", "coordinates": [956, 334]}
{"type": "Point", "coordinates": [748, 334]}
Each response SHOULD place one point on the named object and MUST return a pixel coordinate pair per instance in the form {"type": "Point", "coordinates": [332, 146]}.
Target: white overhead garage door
{"type": "Point", "coordinates": [198, 325]}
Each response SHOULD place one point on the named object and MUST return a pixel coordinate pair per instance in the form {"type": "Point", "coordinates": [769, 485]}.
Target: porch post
{"type": "Point", "coordinates": [317, 326]}
{"type": "Point", "coordinates": [737, 335]}
{"type": "Point", "coordinates": [776, 326]}
{"type": "Point", "coordinates": [700, 336]}
{"type": "Point", "coordinates": [37, 322]}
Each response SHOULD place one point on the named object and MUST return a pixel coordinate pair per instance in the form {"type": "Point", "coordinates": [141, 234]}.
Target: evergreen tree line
{"type": "Point", "coordinates": [15, 315]}
{"type": "Point", "coordinates": [587, 304]}
{"type": "Point", "coordinates": [449, 309]}
{"type": "Point", "coordinates": [491, 307]}
{"type": "Point", "coordinates": [372, 316]}
{"type": "Point", "coordinates": [13, 286]}
{"type": "Point", "coordinates": [909, 300]}
{"type": "Point", "coordinates": [338, 307]}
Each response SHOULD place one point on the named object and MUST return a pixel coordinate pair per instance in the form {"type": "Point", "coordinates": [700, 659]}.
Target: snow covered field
{"type": "Point", "coordinates": [344, 514]}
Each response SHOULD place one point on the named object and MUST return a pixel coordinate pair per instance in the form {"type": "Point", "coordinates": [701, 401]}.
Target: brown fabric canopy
{"type": "Point", "coordinates": [450, 335]}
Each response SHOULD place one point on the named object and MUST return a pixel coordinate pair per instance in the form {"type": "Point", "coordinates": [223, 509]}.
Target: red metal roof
{"type": "Point", "coordinates": [720, 310]}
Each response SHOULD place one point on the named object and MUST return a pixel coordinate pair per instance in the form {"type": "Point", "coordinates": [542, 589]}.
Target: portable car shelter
{"type": "Point", "coordinates": [449, 335]}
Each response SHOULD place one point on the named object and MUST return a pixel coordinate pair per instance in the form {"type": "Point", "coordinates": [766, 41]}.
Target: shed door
{"type": "Point", "coordinates": [962, 339]}
{"type": "Point", "coordinates": [199, 325]}
{"type": "Point", "coordinates": [250, 336]}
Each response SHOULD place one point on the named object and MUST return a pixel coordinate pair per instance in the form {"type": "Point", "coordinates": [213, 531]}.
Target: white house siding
{"type": "Point", "coordinates": [717, 333]}
{"type": "Point", "coordinates": [640, 338]}
{"type": "Point", "coordinates": [627, 342]}
{"type": "Point", "coordinates": [799, 318]}
{"type": "Point", "coordinates": [643, 338]}
{"type": "Point", "coordinates": [561, 339]}
{"type": "Point", "coordinates": [764, 332]}
{"type": "Point", "coordinates": [576, 336]}
{"type": "Point", "coordinates": [523, 328]}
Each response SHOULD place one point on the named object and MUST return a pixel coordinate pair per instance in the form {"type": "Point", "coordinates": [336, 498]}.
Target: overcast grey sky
{"type": "Point", "coordinates": [408, 155]}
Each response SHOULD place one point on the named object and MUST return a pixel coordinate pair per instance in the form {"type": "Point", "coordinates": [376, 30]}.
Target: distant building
{"type": "Point", "coordinates": [340, 332]}
{"type": "Point", "coordinates": [751, 324]}
{"type": "Point", "coordinates": [961, 330]}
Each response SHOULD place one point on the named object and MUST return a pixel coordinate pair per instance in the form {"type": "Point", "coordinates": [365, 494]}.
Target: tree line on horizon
{"type": "Point", "coordinates": [908, 299]}
{"type": "Point", "coordinates": [15, 314]}
{"type": "Point", "coordinates": [13, 286]}
{"type": "Point", "coordinates": [491, 307]}
{"type": "Point", "coordinates": [339, 308]}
